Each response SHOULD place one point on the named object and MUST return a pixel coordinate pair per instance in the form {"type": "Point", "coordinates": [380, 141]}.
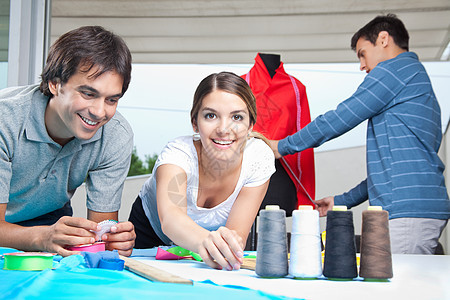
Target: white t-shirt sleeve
{"type": "Point", "coordinates": [260, 161]}
{"type": "Point", "coordinates": [177, 152]}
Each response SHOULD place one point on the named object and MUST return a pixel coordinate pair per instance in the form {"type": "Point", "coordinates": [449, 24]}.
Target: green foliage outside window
{"type": "Point", "coordinates": [137, 167]}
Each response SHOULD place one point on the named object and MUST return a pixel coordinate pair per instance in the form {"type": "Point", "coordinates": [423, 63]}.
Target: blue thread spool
{"type": "Point", "coordinates": [340, 248]}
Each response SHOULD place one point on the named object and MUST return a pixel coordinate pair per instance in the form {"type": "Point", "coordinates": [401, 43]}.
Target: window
{"type": "Point", "coordinates": [4, 38]}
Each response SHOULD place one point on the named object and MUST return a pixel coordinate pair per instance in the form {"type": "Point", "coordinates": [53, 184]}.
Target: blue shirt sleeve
{"type": "Point", "coordinates": [355, 196]}
{"type": "Point", "coordinates": [372, 97]}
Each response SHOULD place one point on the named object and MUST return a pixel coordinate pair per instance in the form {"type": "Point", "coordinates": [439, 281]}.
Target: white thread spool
{"type": "Point", "coordinates": [306, 258]}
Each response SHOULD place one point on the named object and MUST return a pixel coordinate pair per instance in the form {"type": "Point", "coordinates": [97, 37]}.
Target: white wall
{"type": "Point", "coordinates": [130, 192]}
{"type": "Point", "coordinates": [444, 154]}
{"type": "Point", "coordinates": [338, 171]}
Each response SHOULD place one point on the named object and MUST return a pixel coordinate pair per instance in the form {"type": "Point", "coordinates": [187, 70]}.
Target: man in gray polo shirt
{"type": "Point", "coordinates": [55, 136]}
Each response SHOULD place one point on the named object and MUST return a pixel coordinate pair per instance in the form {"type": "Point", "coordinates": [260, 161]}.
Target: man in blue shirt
{"type": "Point", "coordinates": [404, 172]}
{"type": "Point", "coordinates": [55, 136]}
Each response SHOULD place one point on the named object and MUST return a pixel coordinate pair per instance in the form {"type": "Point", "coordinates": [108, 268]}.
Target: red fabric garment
{"type": "Point", "coordinates": [283, 109]}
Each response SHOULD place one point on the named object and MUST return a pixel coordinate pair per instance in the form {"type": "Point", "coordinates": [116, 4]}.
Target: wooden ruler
{"type": "Point", "coordinates": [249, 264]}
{"type": "Point", "coordinates": [152, 273]}
{"type": "Point", "coordinates": [158, 275]}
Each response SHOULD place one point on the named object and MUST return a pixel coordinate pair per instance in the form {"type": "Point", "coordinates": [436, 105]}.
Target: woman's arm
{"type": "Point", "coordinates": [171, 185]}
{"type": "Point", "coordinates": [171, 188]}
{"type": "Point", "coordinates": [245, 209]}
{"type": "Point", "coordinates": [213, 247]}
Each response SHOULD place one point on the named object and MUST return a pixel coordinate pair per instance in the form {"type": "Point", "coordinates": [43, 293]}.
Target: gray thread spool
{"type": "Point", "coordinates": [271, 252]}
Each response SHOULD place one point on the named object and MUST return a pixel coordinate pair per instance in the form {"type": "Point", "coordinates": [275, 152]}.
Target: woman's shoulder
{"type": "Point", "coordinates": [257, 147]}
{"type": "Point", "coordinates": [180, 144]}
{"type": "Point", "coordinates": [257, 151]}
{"type": "Point", "coordinates": [258, 162]}
{"type": "Point", "coordinates": [180, 150]}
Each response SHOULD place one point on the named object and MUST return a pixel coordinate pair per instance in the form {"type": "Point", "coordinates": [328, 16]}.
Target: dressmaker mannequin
{"type": "Point", "coordinates": [271, 61]}
{"type": "Point", "coordinates": [282, 106]}
{"type": "Point", "coordinates": [281, 190]}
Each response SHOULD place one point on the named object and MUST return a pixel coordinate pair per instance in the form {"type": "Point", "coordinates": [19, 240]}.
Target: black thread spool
{"type": "Point", "coordinates": [376, 257]}
{"type": "Point", "coordinates": [271, 251]}
{"type": "Point", "coordinates": [340, 248]}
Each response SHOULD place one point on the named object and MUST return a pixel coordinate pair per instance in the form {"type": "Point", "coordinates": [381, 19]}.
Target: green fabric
{"type": "Point", "coordinates": [177, 250]}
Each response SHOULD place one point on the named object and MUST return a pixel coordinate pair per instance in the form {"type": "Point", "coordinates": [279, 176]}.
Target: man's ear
{"type": "Point", "coordinates": [383, 38]}
{"type": "Point", "coordinates": [53, 86]}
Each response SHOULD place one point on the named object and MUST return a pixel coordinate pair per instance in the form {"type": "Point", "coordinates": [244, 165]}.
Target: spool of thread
{"type": "Point", "coordinates": [305, 259]}
{"type": "Point", "coordinates": [28, 261]}
{"type": "Point", "coordinates": [271, 252]}
{"type": "Point", "coordinates": [376, 257]}
{"type": "Point", "coordinates": [340, 248]}
{"type": "Point", "coordinates": [105, 228]}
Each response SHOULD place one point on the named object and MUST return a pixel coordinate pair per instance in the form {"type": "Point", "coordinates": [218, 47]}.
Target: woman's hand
{"type": "Point", "coordinates": [222, 249]}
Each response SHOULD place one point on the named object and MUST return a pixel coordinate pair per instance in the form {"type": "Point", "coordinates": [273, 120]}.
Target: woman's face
{"type": "Point", "coordinates": [223, 123]}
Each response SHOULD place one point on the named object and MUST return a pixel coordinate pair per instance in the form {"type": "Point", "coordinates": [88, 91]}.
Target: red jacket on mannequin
{"type": "Point", "coordinates": [283, 109]}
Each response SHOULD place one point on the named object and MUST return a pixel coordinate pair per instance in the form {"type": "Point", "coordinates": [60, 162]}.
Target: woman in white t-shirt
{"type": "Point", "coordinates": [206, 190]}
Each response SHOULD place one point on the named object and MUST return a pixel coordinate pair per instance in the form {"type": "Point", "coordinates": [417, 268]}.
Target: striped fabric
{"type": "Point", "coordinates": [404, 172]}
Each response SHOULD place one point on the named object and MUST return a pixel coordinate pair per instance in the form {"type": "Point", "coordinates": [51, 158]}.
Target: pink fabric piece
{"type": "Point", "coordinates": [96, 247]}
{"type": "Point", "coordinates": [166, 255]}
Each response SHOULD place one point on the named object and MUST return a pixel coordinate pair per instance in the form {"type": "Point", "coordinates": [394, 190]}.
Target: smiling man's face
{"type": "Point", "coordinates": [82, 105]}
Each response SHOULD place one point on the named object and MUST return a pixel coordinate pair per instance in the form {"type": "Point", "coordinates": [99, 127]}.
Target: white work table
{"type": "Point", "coordinates": [415, 277]}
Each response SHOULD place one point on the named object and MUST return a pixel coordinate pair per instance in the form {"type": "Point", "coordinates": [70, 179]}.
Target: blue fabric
{"type": "Point", "coordinates": [404, 172]}
{"type": "Point", "coordinates": [4, 250]}
{"type": "Point", "coordinates": [72, 279]}
{"type": "Point", "coordinates": [111, 264]}
{"type": "Point", "coordinates": [107, 284]}
{"type": "Point", "coordinates": [93, 259]}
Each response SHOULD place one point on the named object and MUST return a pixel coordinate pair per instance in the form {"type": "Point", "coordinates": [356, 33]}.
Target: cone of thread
{"type": "Point", "coordinates": [271, 252]}
{"type": "Point", "coordinates": [376, 257]}
{"type": "Point", "coordinates": [340, 248]}
{"type": "Point", "coordinates": [305, 252]}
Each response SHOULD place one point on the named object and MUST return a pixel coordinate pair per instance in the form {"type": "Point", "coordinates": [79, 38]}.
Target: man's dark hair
{"type": "Point", "coordinates": [80, 50]}
{"type": "Point", "coordinates": [390, 23]}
